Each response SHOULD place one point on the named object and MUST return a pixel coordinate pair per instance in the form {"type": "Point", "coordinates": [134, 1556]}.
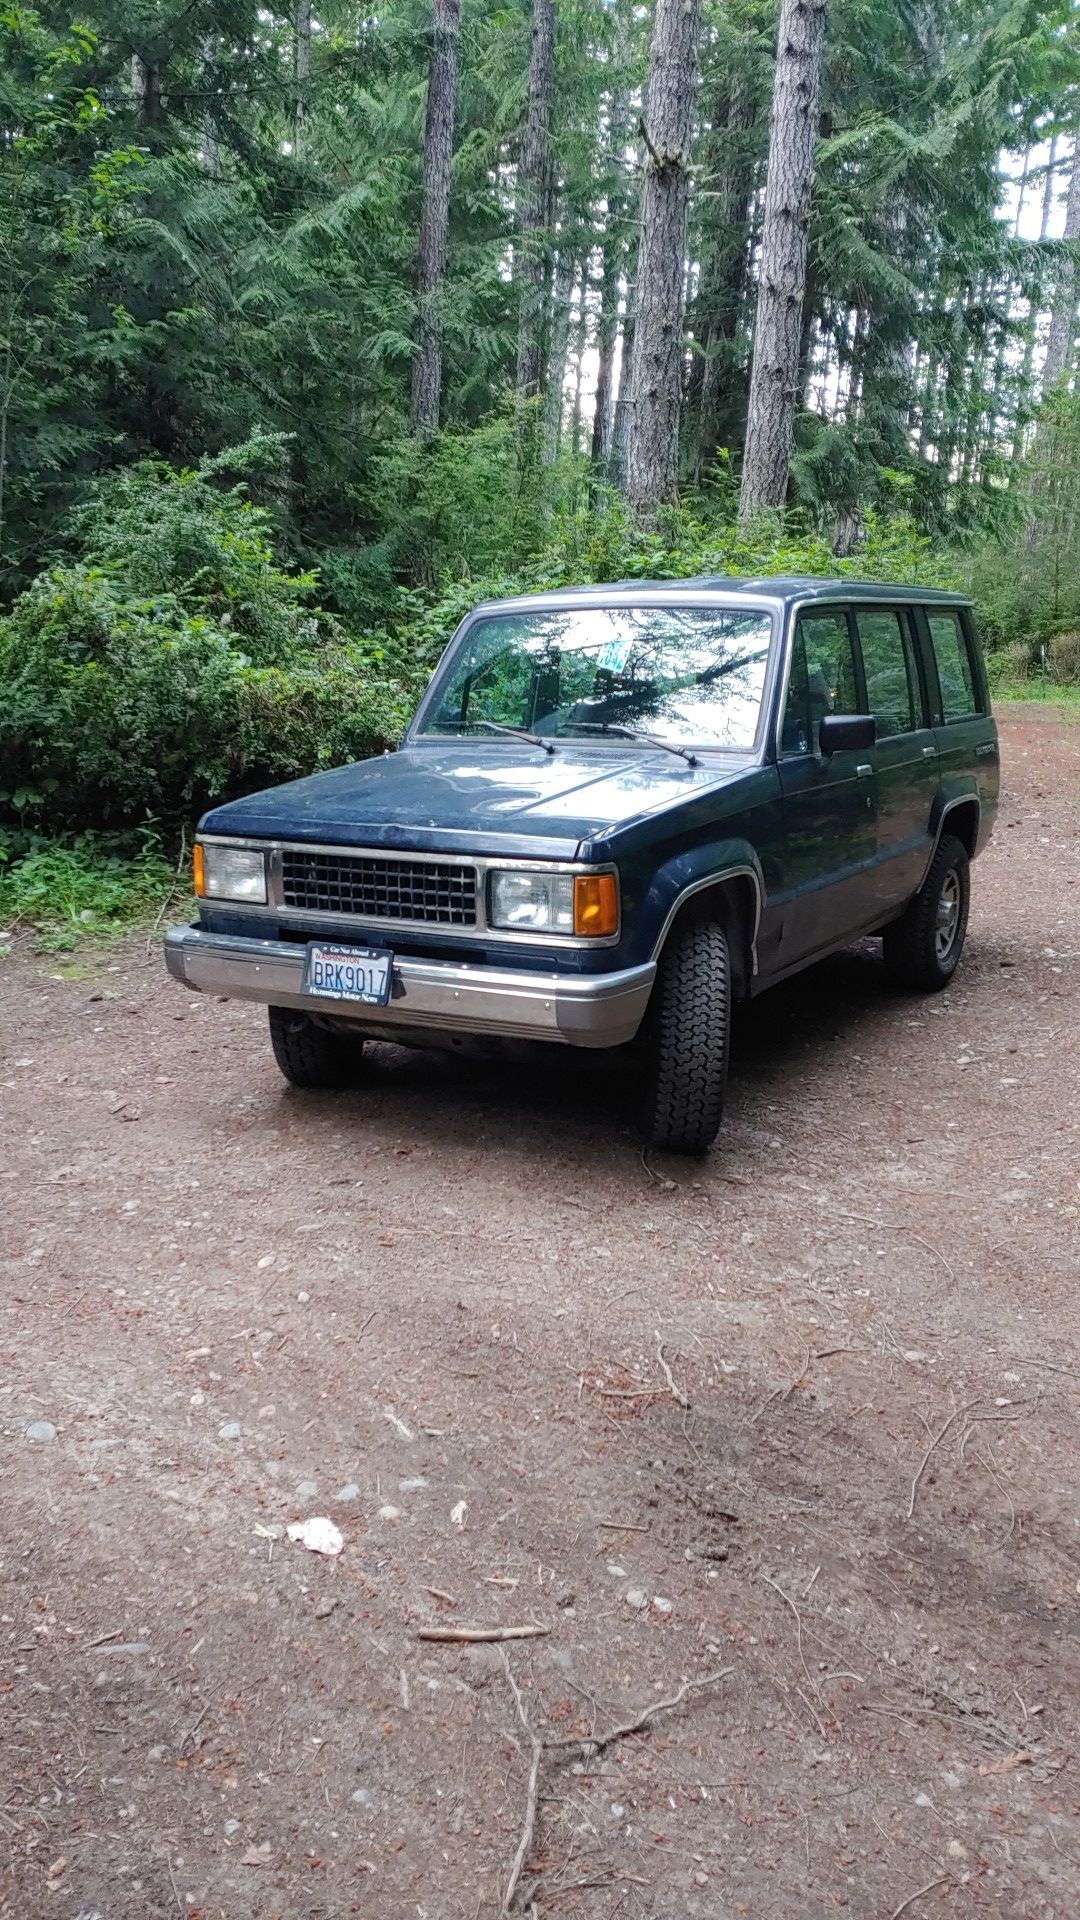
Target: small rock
{"type": "Point", "coordinates": [618, 1811]}
{"type": "Point", "coordinates": [303, 1298]}
{"type": "Point", "coordinates": [156, 1753]}
{"type": "Point", "coordinates": [231, 1827]}
{"type": "Point", "coordinates": [634, 1597]}
{"type": "Point", "coordinates": [701, 1879]}
{"type": "Point", "coordinates": [265, 1260]}
{"type": "Point", "coordinates": [617, 1572]}
{"type": "Point", "coordinates": [350, 1491]}
{"type": "Point", "coordinates": [230, 1431]}
{"type": "Point", "coordinates": [416, 1485]}
{"type": "Point", "coordinates": [662, 1606]}
{"type": "Point", "coordinates": [364, 1797]}
{"type": "Point", "coordinates": [326, 1607]}
{"type": "Point", "coordinates": [41, 1430]}
{"type": "Point", "coordinates": [256, 1856]}
{"type": "Point", "coordinates": [306, 1490]}
{"type": "Point", "coordinates": [198, 1398]}
{"type": "Point", "coordinates": [389, 1513]}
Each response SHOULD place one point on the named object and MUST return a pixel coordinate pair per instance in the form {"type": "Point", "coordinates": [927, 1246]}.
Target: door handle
{"type": "Point", "coordinates": [863, 769]}
{"type": "Point", "coordinates": [929, 752]}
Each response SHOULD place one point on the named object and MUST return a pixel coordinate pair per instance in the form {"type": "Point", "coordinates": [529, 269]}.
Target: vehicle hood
{"type": "Point", "coordinates": [469, 796]}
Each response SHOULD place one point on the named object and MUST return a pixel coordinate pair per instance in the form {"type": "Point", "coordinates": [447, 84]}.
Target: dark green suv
{"type": "Point", "coordinates": [617, 809]}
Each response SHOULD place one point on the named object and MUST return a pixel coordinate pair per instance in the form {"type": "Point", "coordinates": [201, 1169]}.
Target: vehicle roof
{"type": "Point", "coordinates": [775, 590]}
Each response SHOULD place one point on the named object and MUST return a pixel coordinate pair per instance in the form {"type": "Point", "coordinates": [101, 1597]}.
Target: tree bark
{"type": "Point", "coordinates": [724, 276]}
{"type": "Point", "coordinates": [1031, 325]}
{"type": "Point", "coordinates": [667, 126]}
{"type": "Point", "coordinates": [1063, 316]}
{"type": "Point", "coordinates": [301, 66]}
{"type": "Point", "coordinates": [435, 216]}
{"type": "Point", "coordinates": [533, 189]}
{"type": "Point", "coordinates": [559, 348]}
{"type": "Point", "coordinates": [782, 268]}
{"type": "Point", "coordinates": [613, 246]}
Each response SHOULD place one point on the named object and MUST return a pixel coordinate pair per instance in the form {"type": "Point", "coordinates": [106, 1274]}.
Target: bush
{"type": "Point", "coordinates": [1063, 657]}
{"type": "Point", "coordinates": [177, 663]}
{"type": "Point", "coordinates": [82, 887]}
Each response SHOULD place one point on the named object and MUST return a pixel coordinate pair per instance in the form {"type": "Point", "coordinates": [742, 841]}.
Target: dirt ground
{"type": "Point", "coordinates": [674, 1414]}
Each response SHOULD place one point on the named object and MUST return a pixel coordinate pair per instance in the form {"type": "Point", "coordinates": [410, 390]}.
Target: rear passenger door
{"type": "Point", "coordinates": [966, 742]}
{"type": "Point", "coordinates": [905, 757]}
{"type": "Point", "coordinates": [830, 826]}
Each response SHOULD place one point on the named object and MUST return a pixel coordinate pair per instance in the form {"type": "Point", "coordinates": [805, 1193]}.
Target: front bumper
{"type": "Point", "coordinates": [582, 1010]}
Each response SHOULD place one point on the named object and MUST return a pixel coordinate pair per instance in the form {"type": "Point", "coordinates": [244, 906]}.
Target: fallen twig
{"type": "Point", "coordinates": [935, 1441]}
{"type": "Point", "coordinates": [531, 1794]}
{"type": "Point", "coordinates": [621, 1526]}
{"type": "Point", "coordinates": [440, 1593]}
{"type": "Point", "coordinates": [597, 1743]}
{"type": "Point", "coordinates": [788, 1601]}
{"type": "Point", "coordinates": [101, 1641]}
{"type": "Point", "coordinates": [676, 1392]}
{"type": "Point", "coordinates": [942, 1881]}
{"type": "Point", "coordinates": [163, 909]}
{"type": "Point", "coordinates": [481, 1633]}
{"type": "Point", "coordinates": [889, 1226]}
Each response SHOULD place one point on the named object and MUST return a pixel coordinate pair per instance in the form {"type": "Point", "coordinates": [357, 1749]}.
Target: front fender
{"type": "Point", "coordinates": [686, 873]}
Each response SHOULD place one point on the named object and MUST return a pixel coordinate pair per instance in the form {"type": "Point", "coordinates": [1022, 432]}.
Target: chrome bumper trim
{"type": "Point", "coordinates": [591, 1010]}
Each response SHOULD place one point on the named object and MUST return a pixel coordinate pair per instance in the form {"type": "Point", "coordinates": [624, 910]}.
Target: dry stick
{"type": "Point", "coordinates": [172, 889]}
{"type": "Point", "coordinates": [481, 1633]}
{"type": "Point", "coordinates": [644, 1719]}
{"type": "Point", "coordinates": [889, 1226]}
{"type": "Point", "coordinates": [935, 1441]}
{"type": "Point", "coordinates": [675, 1392]}
{"type": "Point", "coordinates": [786, 1597]}
{"type": "Point", "coordinates": [531, 1795]}
{"type": "Point", "coordinates": [941, 1881]}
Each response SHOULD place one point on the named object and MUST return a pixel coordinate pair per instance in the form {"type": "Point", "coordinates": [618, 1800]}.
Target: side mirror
{"type": "Point", "coordinates": [847, 733]}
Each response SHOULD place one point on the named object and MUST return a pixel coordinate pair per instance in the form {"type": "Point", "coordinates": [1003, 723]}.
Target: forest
{"type": "Point", "coordinates": [316, 326]}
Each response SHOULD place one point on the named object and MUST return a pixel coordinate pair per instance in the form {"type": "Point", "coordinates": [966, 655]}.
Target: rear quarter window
{"type": "Point", "coordinates": [956, 677]}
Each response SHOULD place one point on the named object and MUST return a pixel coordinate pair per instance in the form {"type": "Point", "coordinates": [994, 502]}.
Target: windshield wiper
{"type": "Point", "coordinates": [635, 733]}
{"type": "Point", "coordinates": [518, 733]}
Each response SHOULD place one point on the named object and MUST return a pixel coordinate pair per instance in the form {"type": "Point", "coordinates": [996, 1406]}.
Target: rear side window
{"type": "Point", "coordinates": [891, 688]}
{"type": "Point", "coordinates": [958, 696]}
{"type": "Point", "coordinates": [822, 679]}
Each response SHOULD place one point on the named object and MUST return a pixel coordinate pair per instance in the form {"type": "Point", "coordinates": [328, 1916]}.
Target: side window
{"type": "Point", "coordinates": [891, 688]}
{"type": "Point", "coordinates": [822, 679]}
{"type": "Point", "coordinates": [958, 697]}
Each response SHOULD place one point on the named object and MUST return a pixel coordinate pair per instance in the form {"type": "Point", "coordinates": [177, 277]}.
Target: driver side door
{"type": "Point", "coordinates": [829, 801]}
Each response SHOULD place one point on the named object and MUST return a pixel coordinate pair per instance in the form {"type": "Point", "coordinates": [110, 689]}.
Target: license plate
{"type": "Point", "coordinates": [349, 973]}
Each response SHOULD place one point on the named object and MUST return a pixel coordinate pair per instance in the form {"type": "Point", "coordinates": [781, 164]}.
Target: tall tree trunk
{"type": "Point", "coordinates": [559, 348]}
{"type": "Point", "coordinates": [1063, 316]}
{"type": "Point", "coordinates": [725, 280]}
{"type": "Point", "coordinates": [301, 67]}
{"type": "Point", "coordinates": [435, 216]}
{"type": "Point", "coordinates": [534, 185]}
{"type": "Point", "coordinates": [782, 268]}
{"type": "Point", "coordinates": [620, 423]}
{"type": "Point", "coordinates": [208, 145]}
{"type": "Point", "coordinates": [667, 125]}
{"type": "Point", "coordinates": [1031, 328]}
{"type": "Point", "coordinates": [146, 86]}
{"type": "Point", "coordinates": [581, 342]}
{"type": "Point", "coordinates": [613, 244]}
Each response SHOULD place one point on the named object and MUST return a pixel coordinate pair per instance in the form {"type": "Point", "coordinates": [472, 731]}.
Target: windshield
{"type": "Point", "coordinates": [690, 676]}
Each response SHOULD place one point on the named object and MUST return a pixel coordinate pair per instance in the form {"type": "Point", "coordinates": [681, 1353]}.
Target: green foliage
{"type": "Point", "coordinates": [178, 663]}
{"type": "Point", "coordinates": [69, 890]}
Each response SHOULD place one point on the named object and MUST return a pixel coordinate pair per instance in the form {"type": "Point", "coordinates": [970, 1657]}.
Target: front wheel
{"type": "Point", "coordinates": [688, 1038]}
{"type": "Point", "coordinates": [922, 949]}
{"type": "Point", "coordinates": [310, 1055]}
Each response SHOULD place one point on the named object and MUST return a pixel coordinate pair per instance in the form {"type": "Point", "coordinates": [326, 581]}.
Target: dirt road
{"type": "Point", "coordinates": [796, 1425]}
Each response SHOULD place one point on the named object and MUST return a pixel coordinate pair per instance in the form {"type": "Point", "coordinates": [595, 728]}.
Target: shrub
{"type": "Point", "coordinates": [177, 663]}
{"type": "Point", "coordinates": [1063, 657]}
{"type": "Point", "coordinates": [82, 887]}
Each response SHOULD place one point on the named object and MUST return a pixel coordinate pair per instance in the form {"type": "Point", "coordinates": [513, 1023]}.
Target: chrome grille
{"type": "Point", "coordinates": [372, 888]}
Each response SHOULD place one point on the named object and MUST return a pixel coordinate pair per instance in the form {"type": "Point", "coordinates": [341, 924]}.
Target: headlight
{"type": "Point", "coordinates": [230, 873]}
{"type": "Point", "coordinates": [580, 903]}
{"type": "Point", "coordinates": [533, 902]}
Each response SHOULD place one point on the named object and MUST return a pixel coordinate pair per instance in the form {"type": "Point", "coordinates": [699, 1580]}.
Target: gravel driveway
{"type": "Point", "coordinates": [793, 1429]}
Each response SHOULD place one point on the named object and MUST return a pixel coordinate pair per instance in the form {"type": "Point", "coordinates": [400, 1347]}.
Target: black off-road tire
{"type": "Point", "coordinates": [922, 949]}
{"type": "Point", "coordinates": [310, 1055]}
{"type": "Point", "coordinates": [688, 1040]}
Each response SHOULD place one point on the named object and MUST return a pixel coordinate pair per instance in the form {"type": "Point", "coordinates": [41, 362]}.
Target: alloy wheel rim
{"type": "Point", "coordinates": [948, 915]}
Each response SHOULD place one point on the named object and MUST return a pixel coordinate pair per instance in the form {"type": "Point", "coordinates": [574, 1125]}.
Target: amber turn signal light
{"type": "Point", "coordinates": [596, 904]}
{"type": "Point", "coordinates": [198, 871]}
